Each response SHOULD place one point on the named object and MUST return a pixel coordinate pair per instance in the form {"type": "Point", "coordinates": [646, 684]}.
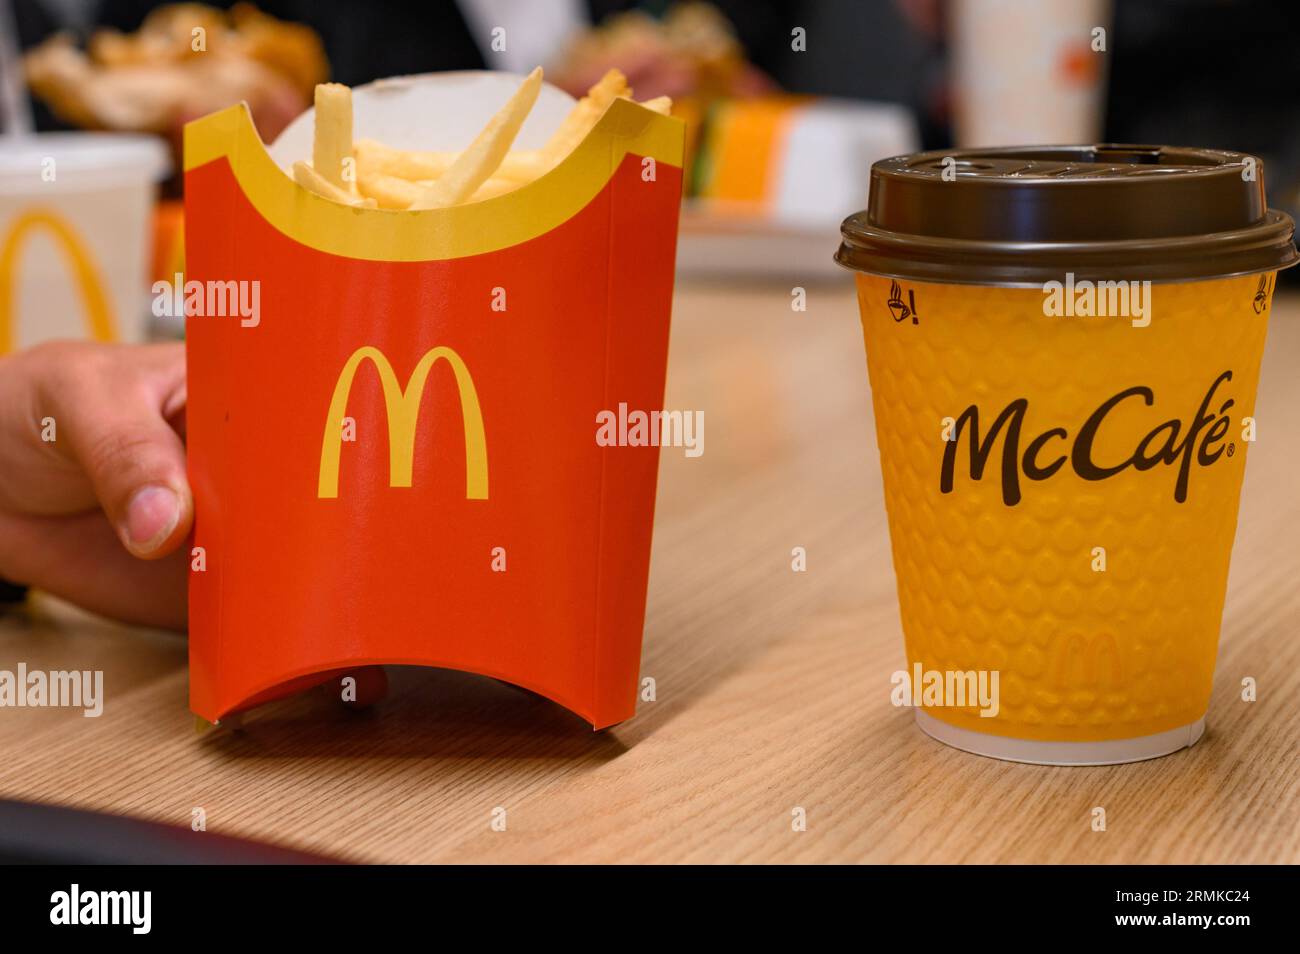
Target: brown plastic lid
{"type": "Point", "coordinates": [1027, 215]}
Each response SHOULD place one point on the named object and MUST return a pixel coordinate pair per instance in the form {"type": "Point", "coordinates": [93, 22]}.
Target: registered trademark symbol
{"type": "Point", "coordinates": [1232, 449]}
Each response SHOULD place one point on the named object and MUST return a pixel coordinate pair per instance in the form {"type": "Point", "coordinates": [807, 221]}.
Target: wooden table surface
{"type": "Point", "coordinates": [772, 686]}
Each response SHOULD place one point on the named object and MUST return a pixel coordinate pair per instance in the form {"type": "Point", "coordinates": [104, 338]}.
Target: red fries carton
{"type": "Point", "coordinates": [394, 460]}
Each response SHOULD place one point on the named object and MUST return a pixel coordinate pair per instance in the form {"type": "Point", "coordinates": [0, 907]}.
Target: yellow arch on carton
{"type": "Point", "coordinates": [403, 408]}
{"type": "Point", "coordinates": [90, 285]}
{"type": "Point", "coordinates": [433, 234]}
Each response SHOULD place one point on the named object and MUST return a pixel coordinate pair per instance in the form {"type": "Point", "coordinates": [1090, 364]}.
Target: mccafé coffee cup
{"type": "Point", "coordinates": [1063, 346]}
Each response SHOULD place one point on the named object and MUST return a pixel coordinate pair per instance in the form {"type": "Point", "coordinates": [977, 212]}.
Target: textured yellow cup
{"type": "Point", "coordinates": [1002, 573]}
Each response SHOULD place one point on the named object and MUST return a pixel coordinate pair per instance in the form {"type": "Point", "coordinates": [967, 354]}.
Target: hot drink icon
{"type": "Point", "coordinates": [1262, 293]}
{"type": "Point", "coordinates": [902, 310]}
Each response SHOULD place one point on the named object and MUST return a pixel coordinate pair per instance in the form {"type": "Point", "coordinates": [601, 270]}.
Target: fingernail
{"type": "Point", "coordinates": [151, 516]}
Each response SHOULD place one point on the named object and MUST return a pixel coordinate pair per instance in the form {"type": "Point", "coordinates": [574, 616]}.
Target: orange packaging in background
{"type": "Point", "coordinates": [396, 462]}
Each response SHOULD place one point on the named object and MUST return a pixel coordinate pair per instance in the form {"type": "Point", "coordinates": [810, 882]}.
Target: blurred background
{"type": "Point", "coordinates": [787, 102]}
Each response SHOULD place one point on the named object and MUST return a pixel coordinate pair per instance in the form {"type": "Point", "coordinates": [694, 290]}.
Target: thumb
{"type": "Point", "coordinates": [136, 465]}
{"type": "Point", "coordinates": [135, 462]}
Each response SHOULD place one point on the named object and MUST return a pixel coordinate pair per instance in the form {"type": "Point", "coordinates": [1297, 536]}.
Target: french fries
{"type": "Point", "coordinates": [473, 166]}
{"type": "Point", "coordinates": [519, 165]}
{"type": "Point", "coordinates": [662, 105]}
{"type": "Point", "coordinates": [377, 158]}
{"type": "Point", "coordinates": [390, 192]}
{"type": "Point", "coordinates": [309, 178]}
{"type": "Point", "coordinates": [583, 117]}
{"type": "Point", "coordinates": [389, 178]}
{"type": "Point", "coordinates": [331, 150]}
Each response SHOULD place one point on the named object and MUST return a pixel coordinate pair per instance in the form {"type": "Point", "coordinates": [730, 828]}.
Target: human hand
{"type": "Point", "coordinates": [94, 501]}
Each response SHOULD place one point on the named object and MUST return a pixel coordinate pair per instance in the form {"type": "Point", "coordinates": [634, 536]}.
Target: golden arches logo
{"type": "Point", "coordinates": [1089, 662]}
{"type": "Point", "coordinates": [98, 311]}
{"type": "Point", "coordinates": [403, 408]}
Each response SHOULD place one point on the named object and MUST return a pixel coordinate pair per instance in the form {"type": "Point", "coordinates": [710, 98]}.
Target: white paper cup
{"type": "Point", "coordinates": [1029, 73]}
{"type": "Point", "coordinates": [75, 220]}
